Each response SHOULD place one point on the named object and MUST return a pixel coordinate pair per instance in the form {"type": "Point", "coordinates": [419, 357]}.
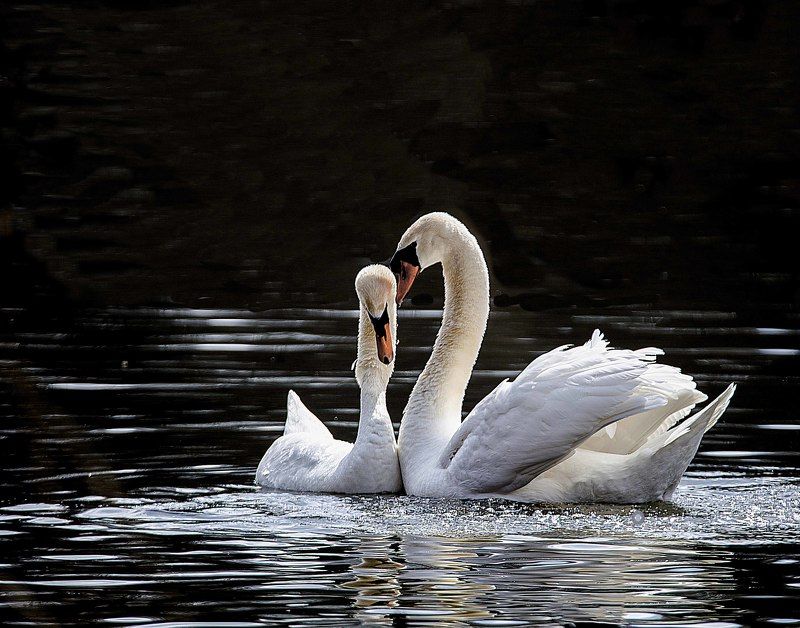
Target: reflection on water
{"type": "Point", "coordinates": [282, 557]}
{"type": "Point", "coordinates": [131, 439]}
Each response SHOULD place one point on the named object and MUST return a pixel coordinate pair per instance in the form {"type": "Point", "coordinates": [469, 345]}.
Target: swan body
{"type": "Point", "coordinates": [307, 457]}
{"type": "Point", "coordinates": [586, 423]}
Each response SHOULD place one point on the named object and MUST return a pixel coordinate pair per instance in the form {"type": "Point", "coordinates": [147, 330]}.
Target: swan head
{"type": "Point", "coordinates": [376, 289]}
{"type": "Point", "coordinates": [423, 244]}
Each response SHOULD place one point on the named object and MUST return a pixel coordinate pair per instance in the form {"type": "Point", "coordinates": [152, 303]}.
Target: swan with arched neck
{"type": "Point", "coordinates": [578, 424]}
{"type": "Point", "coordinates": [307, 457]}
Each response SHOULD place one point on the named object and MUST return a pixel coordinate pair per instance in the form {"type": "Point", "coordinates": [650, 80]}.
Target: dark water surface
{"type": "Point", "coordinates": [132, 439]}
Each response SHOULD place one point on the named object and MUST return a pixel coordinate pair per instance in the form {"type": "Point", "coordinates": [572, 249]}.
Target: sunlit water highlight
{"type": "Point", "coordinates": [132, 438]}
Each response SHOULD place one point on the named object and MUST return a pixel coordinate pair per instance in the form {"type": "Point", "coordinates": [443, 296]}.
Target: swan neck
{"type": "Point", "coordinates": [439, 392]}
{"type": "Point", "coordinates": [374, 424]}
{"type": "Point", "coordinates": [370, 371]}
{"type": "Point", "coordinates": [373, 378]}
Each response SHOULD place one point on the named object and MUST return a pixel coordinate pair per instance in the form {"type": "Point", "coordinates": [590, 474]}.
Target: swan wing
{"type": "Point", "coordinates": [663, 460]}
{"type": "Point", "coordinates": [525, 426]}
{"type": "Point", "coordinates": [301, 419]}
{"type": "Point", "coordinates": [651, 473]}
{"type": "Point", "coordinates": [626, 436]}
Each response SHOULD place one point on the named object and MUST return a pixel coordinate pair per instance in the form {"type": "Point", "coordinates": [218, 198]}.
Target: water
{"type": "Point", "coordinates": [132, 438]}
{"type": "Point", "coordinates": [188, 190]}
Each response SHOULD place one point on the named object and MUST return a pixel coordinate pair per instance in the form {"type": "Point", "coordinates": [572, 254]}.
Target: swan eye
{"type": "Point", "coordinates": [407, 254]}
{"type": "Point", "coordinates": [379, 323]}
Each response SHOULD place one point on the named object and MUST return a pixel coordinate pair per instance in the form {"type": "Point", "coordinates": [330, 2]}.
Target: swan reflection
{"type": "Point", "coordinates": [376, 576]}
{"type": "Point", "coordinates": [461, 580]}
{"type": "Point", "coordinates": [422, 577]}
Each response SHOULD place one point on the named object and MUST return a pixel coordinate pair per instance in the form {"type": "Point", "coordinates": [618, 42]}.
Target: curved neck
{"type": "Point", "coordinates": [375, 439]}
{"type": "Point", "coordinates": [435, 403]}
{"type": "Point", "coordinates": [370, 372]}
{"type": "Point", "coordinates": [374, 416]}
{"type": "Point", "coordinates": [373, 378]}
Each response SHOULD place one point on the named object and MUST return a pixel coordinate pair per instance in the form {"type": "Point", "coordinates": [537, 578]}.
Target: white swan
{"type": "Point", "coordinates": [576, 425]}
{"type": "Point", "coordinates": [307, 457]}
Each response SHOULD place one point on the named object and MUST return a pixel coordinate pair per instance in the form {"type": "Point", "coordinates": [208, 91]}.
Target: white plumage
{"type": "Point", "coordinates": [307, 457]}
{"type": "Point", "coordinates": [587, 423]}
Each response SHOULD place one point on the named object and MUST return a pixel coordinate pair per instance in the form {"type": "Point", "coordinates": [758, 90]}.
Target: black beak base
{"type": "Point", "coordinates": [405, 266]}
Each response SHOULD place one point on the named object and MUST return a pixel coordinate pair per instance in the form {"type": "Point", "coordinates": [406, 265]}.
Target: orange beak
{"type": "Point", "coordinates": [383, 336]}
{"type": "Point", "coordinates": [408, 273]}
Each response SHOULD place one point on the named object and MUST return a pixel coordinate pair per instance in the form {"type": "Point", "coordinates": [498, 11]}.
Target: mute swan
{"type": "Point", "coordinates": [577, 424]}
{"type": "Point", "coordinates": [307, 457]}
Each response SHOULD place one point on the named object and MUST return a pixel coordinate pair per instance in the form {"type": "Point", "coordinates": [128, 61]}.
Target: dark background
{"type": "Point", "coordinates": [256, 154]}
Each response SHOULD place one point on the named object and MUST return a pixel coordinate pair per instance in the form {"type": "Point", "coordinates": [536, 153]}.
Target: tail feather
{"type": "Point", "coordinates": [300, 419]}
{"type": "Point", "coordinates": [671, 453]}
{"type": "Point", "coordinates": [703, 420]}
{"type": "Point", "coordinates": [718, 413]}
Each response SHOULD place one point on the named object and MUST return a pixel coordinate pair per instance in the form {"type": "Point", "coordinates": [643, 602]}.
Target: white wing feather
{"type": "Point", "coordinates": [561, 398]}
{"type": "Point", "coordinates": [628, 435]}
{"type": "Point", "coordinates": [301, 419]}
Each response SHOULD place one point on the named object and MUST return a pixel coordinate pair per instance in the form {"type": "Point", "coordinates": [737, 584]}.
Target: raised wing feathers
{"type": "Point", "coordinates": [626, 436]}
{"type": "Point", "coordinates": [563, 397]}
{"type": "Point", "coordinates": [301, 419]}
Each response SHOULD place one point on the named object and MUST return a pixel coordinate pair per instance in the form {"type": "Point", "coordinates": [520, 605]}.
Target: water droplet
{"type": "Point", "coordinates": [637, 517]}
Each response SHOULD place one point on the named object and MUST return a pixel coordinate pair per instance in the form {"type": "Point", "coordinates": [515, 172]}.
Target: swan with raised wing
{"type": "Point", "coordinates": [307, 457]}
{"type": "Point", "coordinates": [580, 424]}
